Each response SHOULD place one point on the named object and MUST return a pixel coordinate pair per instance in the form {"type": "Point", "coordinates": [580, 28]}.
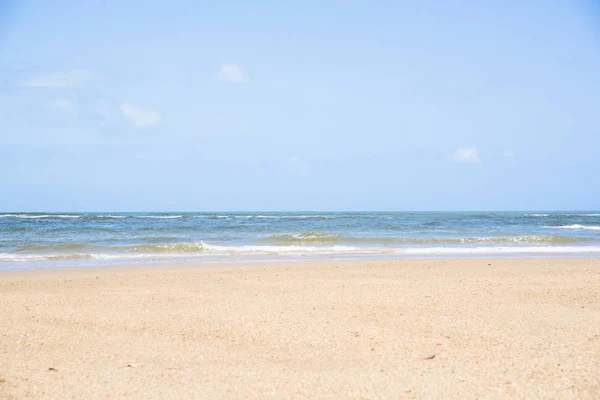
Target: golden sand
{"type": "Point", "coordinates": [327, 329]}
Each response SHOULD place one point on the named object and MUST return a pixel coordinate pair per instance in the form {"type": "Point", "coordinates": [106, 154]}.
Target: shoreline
{"type": "Point", "coordinates": [449, 328]}
{"type": "Point", "coordinates": [101, 264]}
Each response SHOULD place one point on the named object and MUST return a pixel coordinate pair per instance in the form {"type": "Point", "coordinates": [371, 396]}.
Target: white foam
{"type": "Point", "coordinates": [341, 250]}
{"type": "Point", "coordinates": [577, 226]}
{"type": "Point", "coordinates": [160, 216]}
{"type": "Point", "coordinates": [225, 252]}
{"type": "Point", "coordinates": [6, 257]}
{"type": "Point", "coordinates": [579, 215]}
{"type": "Point", "coordinates": [29, 216]}
{"type": "Point", "coordinates": [564, 215]}
{"type": "Point", "coordinates": [289, 250]}
{"type": "Point", "coordinates": [501, 250]}
{"type": "Point", "coordinates": [260, 216]}
{"type": "Point", "coordinates": [17, 258]}
{"type": "Point", "coordinates": [293, 216]}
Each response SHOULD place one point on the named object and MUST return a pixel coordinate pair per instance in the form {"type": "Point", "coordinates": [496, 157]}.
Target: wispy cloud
{"type": "Point", "coordinates": [74, 78]}
{"type": "Point", "coordinates": [465, 155]}
{"type": "Point", "coordinates": [231, 73]}
{"type": "Point", "coordinates": [140, 117]}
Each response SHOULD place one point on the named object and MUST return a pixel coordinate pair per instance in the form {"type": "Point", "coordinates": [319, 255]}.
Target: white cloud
{"type": "Point", "coordinates": [465, 155]}
{"type": "Point", "coordinates": [140, 117]}
{"type": "Point", "coordinates": [231, 73]}
{"type": "Point", "coordinates": [75, 78]}
{"type": "Point", "coordinates": [509, 154]}
{"type": "Point", "coordinates": [293, 160]}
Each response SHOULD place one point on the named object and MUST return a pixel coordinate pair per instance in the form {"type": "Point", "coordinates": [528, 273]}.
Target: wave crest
{"type": "Point", "coordinates": [38, 216]}
{"type": "Point", "coordinates": [184, 247]}
{"type": "Point", "coordinates": [305, 237]}
{"type": "Point", "coordinates": [577, 226]}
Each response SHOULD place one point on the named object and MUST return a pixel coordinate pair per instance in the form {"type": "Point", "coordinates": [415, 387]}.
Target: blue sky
{"type": "Point", "coordinates": [338, 105]}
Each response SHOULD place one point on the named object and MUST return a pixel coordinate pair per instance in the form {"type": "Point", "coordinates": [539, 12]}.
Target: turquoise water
{"type": "Point", "coordinates": [36, 240]}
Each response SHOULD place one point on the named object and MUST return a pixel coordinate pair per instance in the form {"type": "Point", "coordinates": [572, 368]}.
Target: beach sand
{"type": "Point", "coordinates": [325, 329]}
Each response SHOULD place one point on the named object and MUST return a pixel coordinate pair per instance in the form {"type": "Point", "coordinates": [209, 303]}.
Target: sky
{"type": "Point", "coordinates": [303, 105]}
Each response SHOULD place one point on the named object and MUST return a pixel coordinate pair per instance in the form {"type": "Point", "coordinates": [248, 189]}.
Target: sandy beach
{"type": "Point", "coordinates": [513, 328]}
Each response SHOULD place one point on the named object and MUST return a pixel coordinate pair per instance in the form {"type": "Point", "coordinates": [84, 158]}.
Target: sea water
{"type": "Point", "coordinates": [37, 240]}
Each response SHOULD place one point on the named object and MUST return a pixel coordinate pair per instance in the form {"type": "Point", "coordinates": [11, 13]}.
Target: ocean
{"type": "Point", "coordinates": [42, 240]}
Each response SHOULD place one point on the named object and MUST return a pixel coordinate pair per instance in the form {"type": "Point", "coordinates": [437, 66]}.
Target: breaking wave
{"type": "Point", "coordinates": [38, 216]}
{"type": "Point", "coordinates": [184, 247]}
{"type": "Point", "coordinates": [564, 215]}
{"type": "Point", "coordinates": [306, 237]}
{"type": "Point", "coordinates": [159, 216]}
{"type": "Point", "coordinates": [577, 226]}
{"type": "Point", "coordinates": [259, 216]}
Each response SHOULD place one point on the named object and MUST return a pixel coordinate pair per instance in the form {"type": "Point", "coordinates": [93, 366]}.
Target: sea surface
{"type": "Point", "coordinates": [41, 240]}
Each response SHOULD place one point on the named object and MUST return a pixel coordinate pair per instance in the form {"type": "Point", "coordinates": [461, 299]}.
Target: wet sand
{"type": "Point", "coordinates": [326, 329]}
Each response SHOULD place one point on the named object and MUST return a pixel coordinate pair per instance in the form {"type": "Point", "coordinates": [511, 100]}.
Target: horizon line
{"type": "Point", "coordinates": [298, 211]}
